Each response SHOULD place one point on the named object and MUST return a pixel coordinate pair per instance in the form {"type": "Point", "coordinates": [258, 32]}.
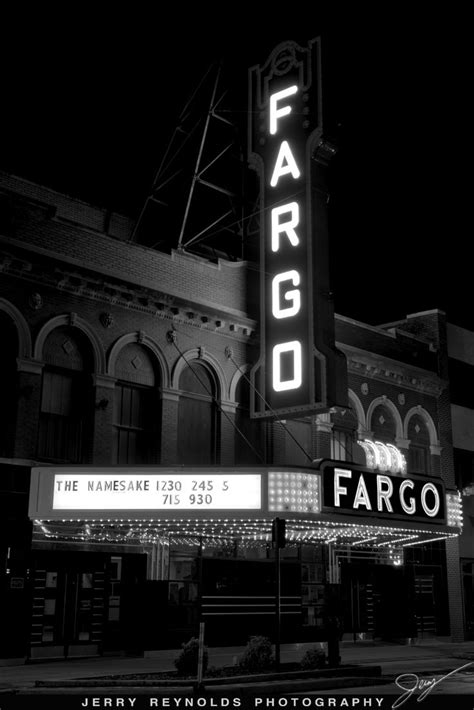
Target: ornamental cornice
{"type": "Point", "coordinates": [367, 364]}
{"type": "Point", "coordinates": [113, 292]}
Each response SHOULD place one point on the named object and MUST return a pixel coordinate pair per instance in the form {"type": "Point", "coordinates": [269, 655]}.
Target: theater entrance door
{"type": "Point", "coordinates": [67, 606]}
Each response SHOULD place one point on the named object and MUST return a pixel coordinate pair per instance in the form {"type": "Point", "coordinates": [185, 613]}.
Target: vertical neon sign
{"type": "Point", "coordinates": [296, 372]}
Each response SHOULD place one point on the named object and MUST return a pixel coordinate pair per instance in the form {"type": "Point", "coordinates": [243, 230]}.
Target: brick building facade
{"type": "Point", "coordinates": [120, 355]}
{"type": "Point", "coordinates": [460, 345]}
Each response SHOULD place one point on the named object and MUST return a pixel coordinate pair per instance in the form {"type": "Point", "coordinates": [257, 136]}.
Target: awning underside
{"type": "Point", "coordinates": [248, 531]}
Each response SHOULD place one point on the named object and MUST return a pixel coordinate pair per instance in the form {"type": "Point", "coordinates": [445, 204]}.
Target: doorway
{"type": "Point", "coordinates": [378, 601]}
{"type": "Point", "coordinates": [67, 606]}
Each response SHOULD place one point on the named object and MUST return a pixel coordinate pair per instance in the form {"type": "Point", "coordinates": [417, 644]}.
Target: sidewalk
{"type": "Point", "coordinates": [393, 658]}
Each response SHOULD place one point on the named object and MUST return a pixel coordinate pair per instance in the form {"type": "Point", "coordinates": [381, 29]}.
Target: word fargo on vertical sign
{"type": "Point", "coordinates": [299, 370]}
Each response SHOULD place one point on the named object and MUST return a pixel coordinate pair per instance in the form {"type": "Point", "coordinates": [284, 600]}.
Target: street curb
{"type": "Point", "coordinates": [337, 674]}
{"type": "Point", "coordinates": [247, 689]}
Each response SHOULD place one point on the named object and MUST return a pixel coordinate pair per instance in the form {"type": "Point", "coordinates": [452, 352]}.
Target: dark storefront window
{"type": "Point", "coordinates": [197, 418]}
{"type": "Point", "coordinates": [467, 567]}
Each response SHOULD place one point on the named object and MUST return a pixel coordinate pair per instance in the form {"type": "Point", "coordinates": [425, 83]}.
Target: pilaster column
{"type": "Point", "coordinates": [229, 437]}
{"type": "Point", "coordinates": [169, 426]}
{"type": "Point", "coordinates": [456, 616]}
{"type": "Point", "coordinates": [102, 445]}
{"type": "Point", "coordinates": [322, 433]}
{"type": "Point", "coordinates": [403, 445]}
{"type": "Point", "coordinates": [435, 455]}
{"type": "Point", "coordinates": [278, 443]}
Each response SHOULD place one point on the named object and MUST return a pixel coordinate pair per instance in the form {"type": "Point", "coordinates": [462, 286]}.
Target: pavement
{"type": "Point", "coordinates": [434, 656]}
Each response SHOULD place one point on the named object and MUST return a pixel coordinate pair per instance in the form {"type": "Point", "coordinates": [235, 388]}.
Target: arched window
{"type": "Point", "coordinates": [253, 429]}
{"type": "Point", "coordinates": [137, 407]}
{"type": "Point", "coordinates": [383, 425]}
{"type": "Point", "coordinates": [8, 384]}
{"type": "Point", "coordinates": [197, 416]}
{"type": "Point", "coordinates": [66, 419]}
{"type": "Point", "coordinates": [419, 451]}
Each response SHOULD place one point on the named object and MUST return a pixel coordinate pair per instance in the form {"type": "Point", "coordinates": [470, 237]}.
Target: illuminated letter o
{"type": "Point", "coordinates": [293, 347]}
{"type": "Point", "coordinates": [430, 511]}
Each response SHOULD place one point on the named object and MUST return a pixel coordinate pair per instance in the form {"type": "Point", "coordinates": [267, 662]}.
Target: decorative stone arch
{"type": "Point", "coordinates": [430, 425]}
{"type": "Point", "coordinates": [358, 411]}
{"type": "Point", "coordinates": [71, 319]}
{"type": "Point", "coordinates": [386, 402]}
{"type": "Point", "coordinates": [236, 377]}
{"type": "Point", "coordinates": [142, 339]}
{"type": "Point", "coordinates": [203, 357]}
{"type": "Point", "coordinates": [23, 330]}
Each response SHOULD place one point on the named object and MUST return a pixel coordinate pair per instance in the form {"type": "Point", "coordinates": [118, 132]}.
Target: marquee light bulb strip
{"type": "Point", "coordinates": [248, 531]}
{"type": "Point", "coordinates": [293, 492]}
{"type": "Point", "coordinates": [454, 515]}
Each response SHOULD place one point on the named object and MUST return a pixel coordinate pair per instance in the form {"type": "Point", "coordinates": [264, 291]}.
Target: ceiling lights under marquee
{"type": "Point", "coordinates": [373, 523]}
{"type": "Point", "coordinates": [249, 532]}
{"type": "Point", "coordinates": [385, 457]}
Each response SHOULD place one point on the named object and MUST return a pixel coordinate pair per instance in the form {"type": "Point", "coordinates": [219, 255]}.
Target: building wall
{"type": "Point", "coordinates": [76, 294]}
{"type": "Point", "coordinates": [461, 368]}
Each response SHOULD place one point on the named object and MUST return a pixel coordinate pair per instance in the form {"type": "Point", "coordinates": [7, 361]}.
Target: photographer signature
{"type": "Point", "coordinates": [409, 682]}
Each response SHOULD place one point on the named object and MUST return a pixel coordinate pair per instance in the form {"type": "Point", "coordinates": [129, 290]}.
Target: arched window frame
{"type": "Point", "coordinates": [212, 398]}
{"type": "Point", "coordinates": [65, 430]}
{"type": "Point", "coordinates": [433, 448]}
{"type": "Point", "coordinates": [151, 435]}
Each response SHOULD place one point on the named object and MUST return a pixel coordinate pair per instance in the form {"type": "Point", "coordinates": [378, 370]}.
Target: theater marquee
{"type": "Point", "coordinates": [326, 502]}
{"type": "Point", "coordinates": [299, 371]}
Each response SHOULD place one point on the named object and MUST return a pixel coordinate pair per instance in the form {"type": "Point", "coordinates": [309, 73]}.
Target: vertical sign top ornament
{"type": "Point", "coordinates": [299, 370]}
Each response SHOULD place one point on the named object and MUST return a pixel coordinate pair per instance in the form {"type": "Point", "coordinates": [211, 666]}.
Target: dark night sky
{"type": "Point", "coordinates": [89, 104]}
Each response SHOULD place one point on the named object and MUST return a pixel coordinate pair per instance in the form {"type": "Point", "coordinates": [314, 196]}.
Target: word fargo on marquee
{"type": "Point", "coordinates": [351, 488]}
{"type": "Point", "coordinates": [299, 370]}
